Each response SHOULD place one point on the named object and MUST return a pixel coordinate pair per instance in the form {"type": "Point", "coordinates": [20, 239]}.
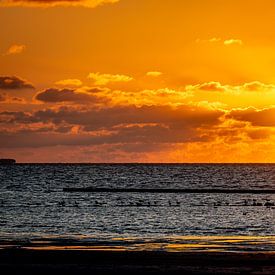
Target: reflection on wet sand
{"type": "Point", "coordinates": [173, 255]}
{"type": "Point", "coordinates": [169, 244]}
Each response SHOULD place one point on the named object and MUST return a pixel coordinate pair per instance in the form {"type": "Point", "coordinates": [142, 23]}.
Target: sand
{"type": "Point", "coordinates": [84, 261]}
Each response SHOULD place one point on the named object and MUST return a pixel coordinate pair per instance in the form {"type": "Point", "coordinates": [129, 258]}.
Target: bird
{"type": "Point", "coordinates": [268, 204]}
{"type": "Point", "coordinates": [97, 203]}
{"type": "Point", "coordinates": [62, 203]}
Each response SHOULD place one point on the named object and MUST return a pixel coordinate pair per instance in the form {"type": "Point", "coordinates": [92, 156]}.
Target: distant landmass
{"type": "Point", "coordinates": [7, 161]}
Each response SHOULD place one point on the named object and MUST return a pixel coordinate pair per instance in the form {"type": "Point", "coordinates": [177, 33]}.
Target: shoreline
{"type": "Point", "coordinates": [186, 255]}
{"type": "Point", "coordinates": [172, 243]}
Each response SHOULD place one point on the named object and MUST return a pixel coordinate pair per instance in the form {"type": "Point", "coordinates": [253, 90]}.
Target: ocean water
{"type": "Point", "coordinates": [33, 204]}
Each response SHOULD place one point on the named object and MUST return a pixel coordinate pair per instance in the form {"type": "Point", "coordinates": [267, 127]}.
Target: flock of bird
{"type": "Point", "coordinates": [120, 203]}
{"type": "Point", "coordinates": [169, 203]}
{"type": "Point", "coordinates": [247, 202]}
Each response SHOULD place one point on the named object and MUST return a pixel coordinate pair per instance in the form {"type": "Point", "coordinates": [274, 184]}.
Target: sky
{"type": "Point", "coordinates": [137, 81]}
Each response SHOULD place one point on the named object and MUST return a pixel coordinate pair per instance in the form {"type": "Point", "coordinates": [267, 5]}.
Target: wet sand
{"type": "Point", "coordinates": [174, 255]}
{"type": "Point", "coordinates": [80, 260]}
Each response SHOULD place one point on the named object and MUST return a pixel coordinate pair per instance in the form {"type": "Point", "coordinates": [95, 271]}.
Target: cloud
{"type": "Point", "coordinates": [207, 94]}
{"type": "Point", "coordinates": [133, 122]}
{"type": "Point", "coordinates": [257, 117]}
{"type": "Point", "coordinates": [154, 74]}
{"type": "Point", "coordinates": [117, 125]}
{"type": "Point", "coordinates": [107, 118]}
{"type": "Point", "coordinates": [256, 86]}
{"type": "Point", "coordinates": [230, 42]}
{"type": "Point", "coordinates": [208, 86]}
{"type": "Point", "coordinates": [210, 40]}
{"type": "Point", "coordinates": [115, 97]}
{"type": "Point", "coordinates": [14, 83]}
{"type": "Point", "coordinates": [103, 79]}
{"type": "Point", "coordinates": [15, 49]}
{"type": "Point", "coordinates": [129, 130]}
{"type": "Point", "coordinates": [82, 96]}
{"type": "Point", "coordinates": [5, 98]}
{"type": "Point", "coordinates": [69, 82]}
{"type": "Point", "coordinates": [149, 97]}
{"type": "Point", "coordinates": [227, 42]}
{"type": "Point", "coordinates": [53, 3]}
{"type": "Point", "coordinates": [213, 86]}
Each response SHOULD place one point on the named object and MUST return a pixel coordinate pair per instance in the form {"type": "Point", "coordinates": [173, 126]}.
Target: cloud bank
{"type": "Point", "coordinates": [189, 123]}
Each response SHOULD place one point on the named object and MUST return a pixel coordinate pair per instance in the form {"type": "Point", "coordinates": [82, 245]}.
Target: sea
{"type": "Point", "coordinates": [35, 209]}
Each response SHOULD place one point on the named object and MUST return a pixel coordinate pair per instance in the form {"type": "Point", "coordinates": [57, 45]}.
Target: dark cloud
{"type": "Point", "coordinates": [14, 83]}
{"type": "Point", "coordinates": [95, 119]}
{"type": "Point", "coordinates": [264, 117]}
{"type": "Point", "coordinates": [54, 95]}
{"type": "Point", "coordinates": [117, 125]}
{"type": "Point", "coordinates": [92, 119]}
{"type": "Point", "coordinates": [146, 135]}
{"type": "Point", "coordinates": [154, 134]}
{"type": "Point", "coordinates": [5, 98]}
{"type": "Point", "coordinates": [18, 117]}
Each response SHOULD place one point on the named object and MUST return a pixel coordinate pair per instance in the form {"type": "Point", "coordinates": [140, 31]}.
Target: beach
{"type": "Point", "coordinates": [78, 261]}
{"type": "Point", "coordinates": [188, 255]}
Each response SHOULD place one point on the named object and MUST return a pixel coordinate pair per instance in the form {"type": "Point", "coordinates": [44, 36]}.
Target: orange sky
{"type": "Point", "coordinates": [137, 80]}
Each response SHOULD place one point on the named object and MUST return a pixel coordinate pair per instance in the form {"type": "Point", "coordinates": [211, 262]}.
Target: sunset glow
{"type": "Point", "coordinates": [137, 81]}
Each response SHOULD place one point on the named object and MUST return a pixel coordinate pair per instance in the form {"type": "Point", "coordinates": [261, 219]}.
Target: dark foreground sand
{"type": "Point", "coordinates": [73, 261]}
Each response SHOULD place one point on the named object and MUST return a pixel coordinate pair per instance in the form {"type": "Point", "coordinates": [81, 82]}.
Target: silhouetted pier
{"type": "Point", "coordinates": [170, 190]}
